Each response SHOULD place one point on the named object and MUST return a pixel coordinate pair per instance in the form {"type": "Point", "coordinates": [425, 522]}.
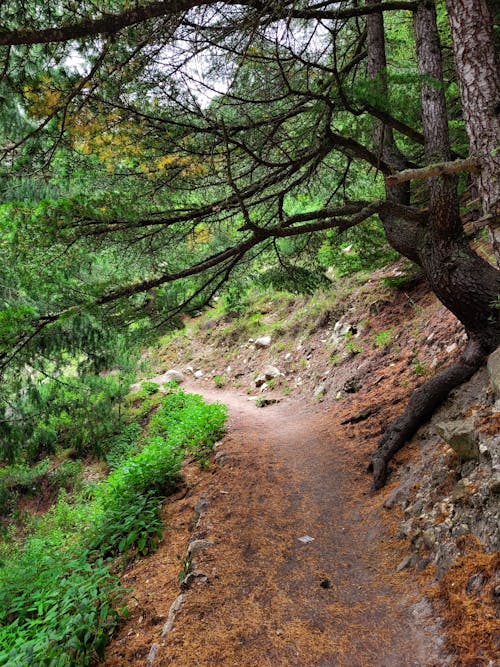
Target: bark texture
{"type": "Point", "coordinates": [465, 283]}
{"type": "Point", "coordinates": [479, 81]}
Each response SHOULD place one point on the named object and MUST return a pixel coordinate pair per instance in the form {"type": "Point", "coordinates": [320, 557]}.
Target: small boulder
{"type": "Point", "coordinates": [198, 374]}
{"type": "Point", "coordinates": [271, 372]}
{"type": "Point", "coordinates": [263, 341]}
{"type": "Point", "coordinates": [173, 376]}
{"type": "Point", "coordinates": [197, 546]}
{"type": "Point", "coordinates": [462, 438]}
{"type": "Point", "coordinates": [494, 371]}
{"type": "Point", "coordinates": [494, 484]}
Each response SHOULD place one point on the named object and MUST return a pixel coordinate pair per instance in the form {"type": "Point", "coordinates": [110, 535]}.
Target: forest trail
{"type": "Point", "coordinates": [270, 599]}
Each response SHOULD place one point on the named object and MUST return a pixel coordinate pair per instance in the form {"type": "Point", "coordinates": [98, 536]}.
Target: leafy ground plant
{"type": "Point", "coordinates": [59, 599]}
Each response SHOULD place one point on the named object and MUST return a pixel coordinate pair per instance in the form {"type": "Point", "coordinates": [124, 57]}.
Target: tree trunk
{"type": "Point", "coordinates": [479, 81]}
{"type": "Point", "coordinates": [465, 283]}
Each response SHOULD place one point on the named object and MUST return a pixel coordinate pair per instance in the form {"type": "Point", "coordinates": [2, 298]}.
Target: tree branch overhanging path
{"type": "Point", "coordinates": [293, 98]}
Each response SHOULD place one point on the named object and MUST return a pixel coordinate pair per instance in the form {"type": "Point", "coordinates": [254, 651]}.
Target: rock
{"type": "Point", "coordinates": [429, 538]}
{"type": "Point", "coordinates": [397, 496]}
{"type": "Point", "coordinates": [197, 546]}
{"type": "Point", "coordinates": [494, 484]}
{"type": "Point", "coordinates": [340, 330]}
{"type": "Point", "coordinates": [152, 654]}
{"type": "Point", "coordinates": [173, 376]}
{"type": "Point", "coordinates": [405, 563]}
{"type": "Point", "coordinates": [260, 380]}
{"type": "Point", "coordinates": [352, 386]}
{"type": "Point", "coordinates": [200, 508]}
{"type": "Point", "coordinates": [475, 583]}
{"type": "Point", "coordinates": [451, 348]}
{"type": "Point", "coordinates": [209, 324]}
{"type": "Point", "coordinates": [461, 491]}
{"type": "Point", "coordinates": [199, 577]}
{"type": "Point", "coordinates": [263, 401]}
{"type": "Point", "coordinates": [494, 371]}
{"type": "Point", "coordinates": [271, 372]}
{"type": "Point", "coordinates": [198, 374]}
{"type": "Point", "coordinates": [176, 605]}
{"type": "Point", "coordinates": [460, 530]}
{"type": "Point", "coordinates": [263, 341]}
{"type": "Point", "coordinates": [221, 458]}
{"type": "Point", "coordinates": [462, 438]}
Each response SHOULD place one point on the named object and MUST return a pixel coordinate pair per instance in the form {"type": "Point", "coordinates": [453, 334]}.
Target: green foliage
{"type": "Point", "coordinates": [384, 338]}
{"type": "Point", "coordinates": [78, 412]}
{"type": "Point", "coordinates": [59, 601]}
{"type": "Point", "coordinates": [150, 387]}
{"type": "Point", "coordinates": [123, 445]}
{"type": "Point", "coordinates": [358, 249]}
{"type": "Point", "coordinates": [293, 279]}
{"type": "Point", "coordinates": [56, 609]}
{"type": "Point", "coordinates": [19, 479]}
{"type": "Point", "coordinates": [235, 296]}
{"type": "Point", "coordinates": [220, 381]}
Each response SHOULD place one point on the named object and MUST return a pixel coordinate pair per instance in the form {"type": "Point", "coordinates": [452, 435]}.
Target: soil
{"type": "Point", "coordinates": [263, 597]}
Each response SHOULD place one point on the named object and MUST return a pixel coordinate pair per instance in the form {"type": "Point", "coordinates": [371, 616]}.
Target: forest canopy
{"type": "Point", "coordinates": [155, 152]}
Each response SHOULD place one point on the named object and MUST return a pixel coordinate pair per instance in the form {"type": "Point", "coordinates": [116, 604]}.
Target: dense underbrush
{"type": "Point", "coordinates": [60, 595]}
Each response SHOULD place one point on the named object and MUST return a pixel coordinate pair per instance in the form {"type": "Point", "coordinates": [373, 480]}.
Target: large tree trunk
{"type": "Point", "coordinates": [479, 81]}
{"type": "Point", "coordinates": [462, 280]}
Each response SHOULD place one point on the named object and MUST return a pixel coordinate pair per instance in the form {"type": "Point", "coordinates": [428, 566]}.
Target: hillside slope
{"type": "Point", "coordinates": [341, 366]}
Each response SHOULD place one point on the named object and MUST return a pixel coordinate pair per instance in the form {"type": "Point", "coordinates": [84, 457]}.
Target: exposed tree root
{"type": "Point", "coordinates": [421, 406]}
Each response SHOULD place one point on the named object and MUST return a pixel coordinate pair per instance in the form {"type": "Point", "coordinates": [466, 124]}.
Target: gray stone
{"type": "Point", "coordinates": [475, 583]}
{"type": "Point", "coordinates": [198, 374]}
{"type": "Point", "coordinates": [199, 577]}
{"type": "Point", "coordinates": [429, 538]}
{"type": "Point", "coordinates": [197, 546]}
{"type": "Point", "coordinates": [494, 484]}
{"type": "Point", "coordinates": [221, 458]}
{"type": "Point", "coordinates": [461, 436]}
{"type": "Point", "coordinates": [263, 341]}
{"type": "Point", "coordinates": [200, 509]}
{"type": "Point", "coordinates": [494, 370]}
{"type": "Point", "coordinates": [152, 654]}
{"type": "Point", "coordinates": [176, 605]}
{"type": "Point", "coordinates": [173, 375]}
{"type": "Point", "coordinates": [405, 563]}
{"type": "Point", "coordinates": [271, 372]}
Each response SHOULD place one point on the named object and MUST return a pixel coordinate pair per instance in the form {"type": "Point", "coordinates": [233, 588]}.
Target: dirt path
{"type": "Point", "coordinates": [270, 599]}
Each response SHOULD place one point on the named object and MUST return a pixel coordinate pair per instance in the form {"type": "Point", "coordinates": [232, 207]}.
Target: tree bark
{"type": "Point", "coordinates": [465, 283]}
{"type": "Point", "coordinates": [479, 81]}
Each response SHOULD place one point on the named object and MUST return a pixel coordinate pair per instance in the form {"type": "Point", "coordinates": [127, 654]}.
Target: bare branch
{"type": "Point", "coordinates": [469, 164]}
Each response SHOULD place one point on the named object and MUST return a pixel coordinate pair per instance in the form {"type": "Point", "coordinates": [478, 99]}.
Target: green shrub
{"type": "Point", "coordinates": [149, 387]}
{"type": "Point", "coordinates": [59, 601]}
{"type": "Point", "coordinates": [123, 445]}
{"type": "Point", "coordinates": [220, 381]}
{"type": "Point", "coordinates": [384, 338]}
{"type": "Point", "coordinates": [56, 610]}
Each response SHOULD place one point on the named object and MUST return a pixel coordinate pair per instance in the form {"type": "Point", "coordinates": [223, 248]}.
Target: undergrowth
{"type": "Point", "coordinates": [60, 596]}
